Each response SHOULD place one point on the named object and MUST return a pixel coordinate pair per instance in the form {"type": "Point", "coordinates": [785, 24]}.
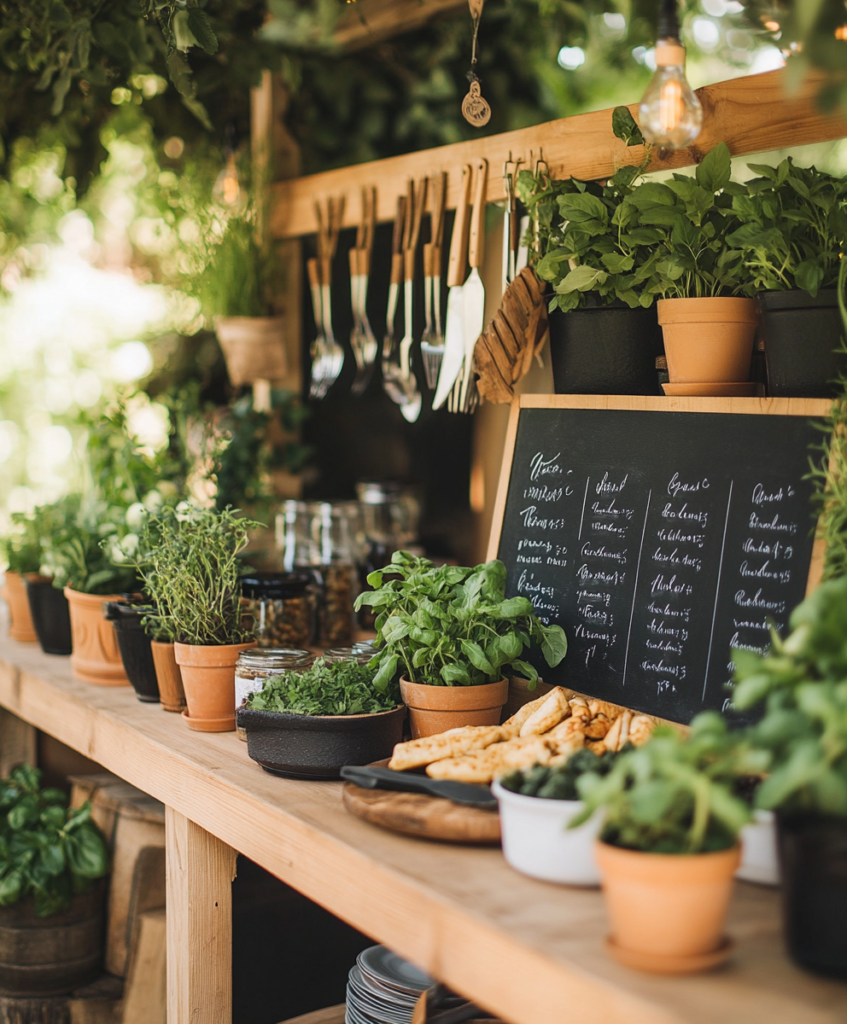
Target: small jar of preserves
{"type": "Point", "coordinates": [257, 664]}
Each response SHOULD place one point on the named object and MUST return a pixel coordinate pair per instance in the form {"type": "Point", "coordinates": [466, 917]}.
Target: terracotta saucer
{"type": "Point", "coordinates": [660, 964]}
{"type": "Point", "coordinates": [717, 389]}
{"type": "Point", "coordinates": [210, 724]}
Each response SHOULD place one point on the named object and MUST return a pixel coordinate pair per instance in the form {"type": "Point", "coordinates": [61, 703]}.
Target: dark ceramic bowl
{"type": "Point", "coordinates": [318, 746]}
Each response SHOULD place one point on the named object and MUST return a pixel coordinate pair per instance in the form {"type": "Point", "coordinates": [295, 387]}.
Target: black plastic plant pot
{"type": "Point", "coordinates": [134, 645]}
{"type": "Point", "coordinates": [607, 350]}
{"type": "Point", "coordinates": [813, 855]}
{"type": "Point", "coordinates": [50, 615]}
{"type": "Point", "coordinates": [318, 746]}
{"type": "Point", "coordinates": [801, 336]}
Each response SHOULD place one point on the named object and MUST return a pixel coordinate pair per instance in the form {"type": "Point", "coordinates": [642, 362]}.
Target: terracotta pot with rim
{"type": "Point", "coordinates": [667, 910]}
{"type": "Point", "coordinates": [208, 677]}
{"type": "Point", "coordinates": [168, 675]}
{"type": "Point", "coordinates": [434, 709]}
{"type": "Point", "coordinates": [96, 657]}
{"type": "Point", "coordinates": [708, 340]}
{"type": "Point", "coordinates": [20, 626]}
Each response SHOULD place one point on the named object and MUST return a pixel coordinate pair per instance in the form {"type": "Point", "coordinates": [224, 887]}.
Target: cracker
{"type": "Point", "coordinates": [551, 712]}
{"type": "Point", "coordinates": [453, 743]}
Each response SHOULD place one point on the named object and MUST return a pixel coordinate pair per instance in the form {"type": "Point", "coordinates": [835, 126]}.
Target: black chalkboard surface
{"type": "Point", "coordinates": [659, 533]}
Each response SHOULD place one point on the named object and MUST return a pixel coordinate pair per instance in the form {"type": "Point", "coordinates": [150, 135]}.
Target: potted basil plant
{"type": "Point", "coordinates": [236, 291]}
{"type": "Point", "coordinates": [308, 723]}
{"type": "Point", "coordinates": [51, 902]}
{"type": "Point", "coordinates": [668, 848]}
{"type": "Point", "coordinates": [193, 558]}
{"type": "Point", "coordinates": [455, 637]}
{"type": "Point", "coordinates": [792, 231]}
{"type": "Point", "coordinates": [604, 335]}
{"type": "Point", "coordinates": [802, 685]}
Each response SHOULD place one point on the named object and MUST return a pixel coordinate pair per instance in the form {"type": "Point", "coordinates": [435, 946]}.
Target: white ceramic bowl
{"type": "Point", "coordinates": [537, 841]}
{"type": "Point", "coordinates": [759, 858]}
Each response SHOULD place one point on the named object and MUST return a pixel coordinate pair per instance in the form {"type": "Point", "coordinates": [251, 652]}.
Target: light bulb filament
{"type": "Point", "coordinates": [671, 105]}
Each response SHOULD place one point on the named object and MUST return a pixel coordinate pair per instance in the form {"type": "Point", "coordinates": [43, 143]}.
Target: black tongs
{"type": "Point", "coordinates": [466, 793]}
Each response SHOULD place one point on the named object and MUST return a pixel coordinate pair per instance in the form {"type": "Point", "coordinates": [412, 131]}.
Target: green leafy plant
{"type": "Point", "coordinates": [47, 851]}
{"type": "Point", "coordinates": [793, 227]}
{"type": "Point", "coordinates": [802, 684]}
{"type": "Point", "coordinates": [86, 552]}
{"type": "Point", "coordinates": [560, 783]}
{"type": "Point", "coordinates": [828, 471]}
{"type": "Point", "coordinates": [675, 794]}
{"type": "Point", "coordinates": [241, 273]}
{"type": "Point", "coordinates": [189, 565]}
{"type": "Point", "coordinates": [453, 626]}
{"type": "Point", "coordinates": [20, 548]}
{"type": "Point", "coordinates": [327, 688]}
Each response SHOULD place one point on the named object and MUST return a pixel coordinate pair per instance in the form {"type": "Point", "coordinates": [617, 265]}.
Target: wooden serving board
{"type": "Point", "coordinates": [425, 817]}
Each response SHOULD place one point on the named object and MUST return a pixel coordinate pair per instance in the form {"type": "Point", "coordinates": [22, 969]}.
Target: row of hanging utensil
{"type": "Point", "coordinates": [449, 337]}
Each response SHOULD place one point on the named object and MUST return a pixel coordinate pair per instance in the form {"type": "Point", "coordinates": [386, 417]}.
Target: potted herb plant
{"type": "Point", "coordinates": [48, 605]}
{"type": "Point", "coordinates": [51, 904]}
{"type": "Point", "coordinates": [193, 559]}
{"type": "Point", "coordinates": [127, 618]}
{"type": "Point", "coordinates": [308, 724]}
{"type": "Point", "coordinates": [454, 636]}
{"type": "Point", "coordinates": [236, 290]}
{"type": "Point", "coordinates": [669, 846]}
{"type": "Point", "coordinates": [536, 806]}
{"type": "Point", "coordinates": [792, 232]}
{"type": "Point", "coordinates": [88, 560]}
{"type": "Point", "coordinates": [703, 288]}
{"type": "Point", "coordinates": [604, 334]}
{"type": "Point", "coordinates": [20, 548]}
{"type": "Point", "coordinates": [802, 684]}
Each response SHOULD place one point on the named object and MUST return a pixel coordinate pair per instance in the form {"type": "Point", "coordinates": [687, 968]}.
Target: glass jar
{"type": "Point", "coordinates": [335, 654]}
{"type": "Point", "coordinates": [331, 528]}
{"type": "Point", "coordinates": [257, 664]}
{"type": "Point", "coordinates": [281, 607]}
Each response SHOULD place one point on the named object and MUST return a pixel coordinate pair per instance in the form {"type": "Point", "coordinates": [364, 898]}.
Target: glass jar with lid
{"type": "Point", "coordinates": [282, 608]}
{"type": "Point", "coordinates": [257, 664]}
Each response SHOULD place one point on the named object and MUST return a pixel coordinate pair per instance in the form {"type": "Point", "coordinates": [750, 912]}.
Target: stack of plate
{"type": "Point", "coordinates": [383, 988]}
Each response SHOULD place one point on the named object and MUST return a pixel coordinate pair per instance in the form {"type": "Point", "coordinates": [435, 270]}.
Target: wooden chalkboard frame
{"type": "Point", "coordinates": [811, 408]}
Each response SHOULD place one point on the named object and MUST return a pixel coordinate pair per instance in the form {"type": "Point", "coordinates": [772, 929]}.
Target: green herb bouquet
{"type": "Point", "coordinates": [337, 688]}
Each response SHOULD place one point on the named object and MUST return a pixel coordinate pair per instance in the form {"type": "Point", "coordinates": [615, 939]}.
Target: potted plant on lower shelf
{"type": "Point", "coordinates": [792, 232]}
{"type": "Point", "coordinates": [455, 637]}
{"type": "Point", "coordinates": [669, 846]}
{"type": "Point", "coordinates": [310, 723]}
{"type": "Point", "coordinates": [802, 683]}
{"type": "Point", "coordinates": [87, 558]}
{"type": "Point", "coordinates": [191, 557]}
{"type": "Point", "coordinates": [51, 902]}
{"type": "Point", "coordinates": [20, 549]}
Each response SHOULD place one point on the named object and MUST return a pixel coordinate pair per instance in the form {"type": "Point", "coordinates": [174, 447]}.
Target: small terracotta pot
{"type": "Point", "coordinates": [253, 346]}
{"type": "Point", "coordinates": [434, 709]}
{"type": "Point", "coordinates": [21, 626]}
{"type": "Point", "coordinates": [168, 676]}
{"type": "Point", "coordinates": [708, 340]}
{"type": "Point", "coordinates": [208, 677]}
{"type": "Point", "coordinates": [670, 907]}
{"type": "Point", "coordinates": [96, 657]}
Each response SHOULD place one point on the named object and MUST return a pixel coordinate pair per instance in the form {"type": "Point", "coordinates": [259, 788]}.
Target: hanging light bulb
{"type": "Point", "coordinates": [671, 115]}
{"type": "Point", "coordinates": [227, 189]}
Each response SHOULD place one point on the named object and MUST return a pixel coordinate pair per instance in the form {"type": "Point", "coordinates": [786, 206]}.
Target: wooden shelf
{"type": "Point", "coordinates": [529, 952]}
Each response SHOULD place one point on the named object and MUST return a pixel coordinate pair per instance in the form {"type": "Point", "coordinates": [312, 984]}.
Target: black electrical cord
{"type": "Point", "coordinates": [669, 20]}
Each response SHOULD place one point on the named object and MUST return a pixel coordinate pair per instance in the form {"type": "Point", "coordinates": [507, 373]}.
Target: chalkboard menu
{"type": "Point", "coordinates": [659, 540]}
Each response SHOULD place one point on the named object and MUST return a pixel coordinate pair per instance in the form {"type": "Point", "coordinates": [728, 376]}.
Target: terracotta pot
{"type": "Point", "coordinates": [168, 675]}
{"type": "Point", "coordinates": [253, 346]}
{"type": "Point", "coordinates": [21, 626]}
{"type": "Point", "coordinates": [96, 657]}
{"type": "Point", "coordinates": [667, 908]}
{"type": "Point", "coordinates": [208, 677]}
{"type": "Point", "coordinates": [708, 340]}
{"type": "Point", "coordinates": [434, 709]}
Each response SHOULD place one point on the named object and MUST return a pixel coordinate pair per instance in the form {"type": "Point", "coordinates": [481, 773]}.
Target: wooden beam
{"type": "Point", "coordinates": [371, 21]}
{"type": "Point", "coordinates": [751, 115]}
{"type": "Point", "coordinates": [200, 870]}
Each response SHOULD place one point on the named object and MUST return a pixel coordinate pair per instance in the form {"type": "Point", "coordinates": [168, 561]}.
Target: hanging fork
{"type": "Point", "coordinates": [432, 340]}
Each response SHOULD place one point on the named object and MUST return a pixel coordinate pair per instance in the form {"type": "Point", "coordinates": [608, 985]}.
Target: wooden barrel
{"type": "Point", "coordinates": [46, 956]}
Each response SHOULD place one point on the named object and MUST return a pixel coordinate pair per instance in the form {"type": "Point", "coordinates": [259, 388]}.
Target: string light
{"type": "Point", "coordinates": [670, 114]}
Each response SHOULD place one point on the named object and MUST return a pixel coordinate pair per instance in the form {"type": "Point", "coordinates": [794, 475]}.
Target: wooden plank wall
{"type": "Point", "coordinates": [751, 114]}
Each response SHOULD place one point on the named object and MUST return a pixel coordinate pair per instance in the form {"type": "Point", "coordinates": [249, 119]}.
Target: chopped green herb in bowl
{"type": "Point", "coordinates": [338, 688]}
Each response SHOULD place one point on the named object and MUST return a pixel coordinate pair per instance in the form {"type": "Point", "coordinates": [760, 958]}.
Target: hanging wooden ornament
{"type": "Point", "coordinates": [475, 108]}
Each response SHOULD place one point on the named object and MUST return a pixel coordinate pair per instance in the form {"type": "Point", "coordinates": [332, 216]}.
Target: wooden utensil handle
{"type": "Point", "coordinates": [397, 237]}
{"type": "Point", "coordinates": [477, 239]}
{"type": "Point", "coordinates": [397, 268]}
{"type": "Point", "coordinates": [427, 259]}
{"type": "Point", "coordinates": [440, 190]}
{"type": "Point", "coordinates": [326, 270]}
{"type": "Point", "coordinates": [409, 265]}
{"type": "Point", "coordinates": [353, 257]}
{"type": "Point", "coordinates": [417, 213]}
{"type": "Point", "coordinates": [314, 275]}
{"type": "Point", "coordinates": [459, 241]}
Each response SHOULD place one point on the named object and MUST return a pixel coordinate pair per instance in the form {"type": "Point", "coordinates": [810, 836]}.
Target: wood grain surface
{"type": "Point", "coordinates": [527, 951]}
{"type": "Point", "coordinates": [426, 817]}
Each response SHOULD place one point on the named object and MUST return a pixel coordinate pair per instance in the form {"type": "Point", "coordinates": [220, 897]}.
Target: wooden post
{"type": "Point", "coordinates": [200, 870]}
{"type": "Point", "coordinates": [18, 743]}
